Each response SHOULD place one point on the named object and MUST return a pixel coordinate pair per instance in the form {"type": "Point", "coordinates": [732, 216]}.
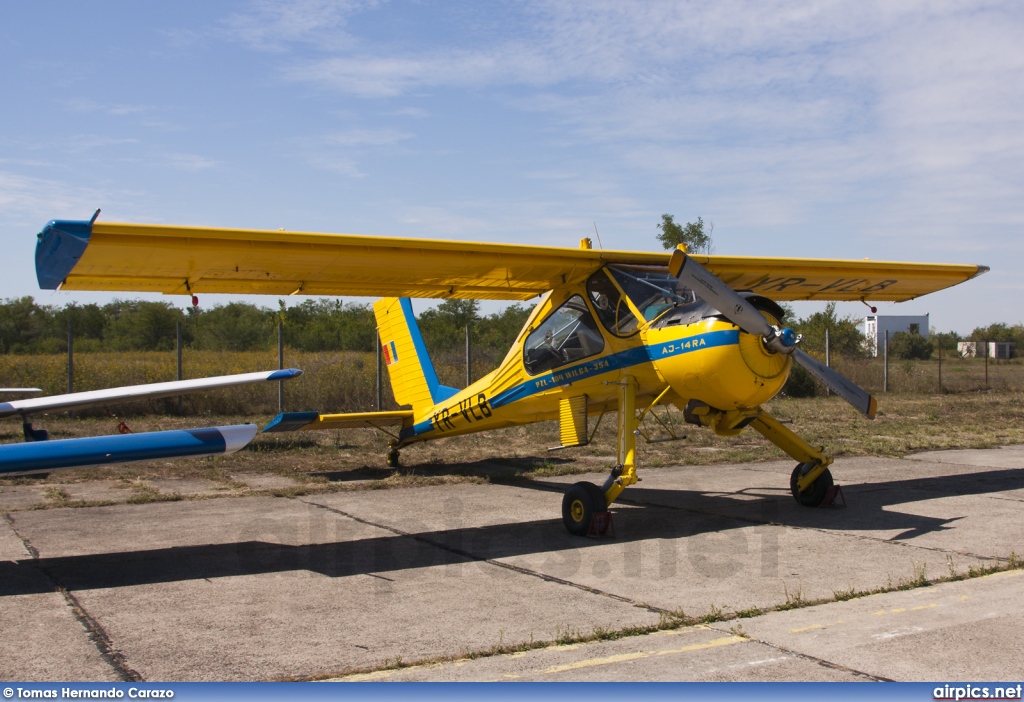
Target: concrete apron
{"type": "Point", "coordinates": [266, 588]}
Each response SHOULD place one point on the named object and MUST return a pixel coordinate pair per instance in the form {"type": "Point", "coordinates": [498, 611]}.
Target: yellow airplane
{"type": "Point", "coordinates": [613, 330]}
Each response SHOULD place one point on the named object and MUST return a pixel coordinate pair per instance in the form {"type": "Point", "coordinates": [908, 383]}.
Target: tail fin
{"type": "Point", "coordinates": [413, 378]}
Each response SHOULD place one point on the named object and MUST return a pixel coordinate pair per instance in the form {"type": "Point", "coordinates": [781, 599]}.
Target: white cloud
{"type": "Point", "coordinates": [272, 25]}
{"type": "Point", "coordinates": [190, 162]}
{"type": "Point", "coordinates": [116, 110]}
{"type": "Point", "coordinates": [366, 137]}
{"type": "Point", "coordinates": [26, 200]}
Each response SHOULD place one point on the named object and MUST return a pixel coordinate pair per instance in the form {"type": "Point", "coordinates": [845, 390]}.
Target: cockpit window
{"type": "Point", "coordinates": [612, 310]}
{"type": "Point", "coordinates": [652, 289]}
{"type": "Point", "coordinates": [568, 334]}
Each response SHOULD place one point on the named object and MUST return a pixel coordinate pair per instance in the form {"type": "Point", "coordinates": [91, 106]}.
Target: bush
{"type": "Point", "coordinates": [801, 383]}
{"type": "Point", "coordinates": [910, 346]}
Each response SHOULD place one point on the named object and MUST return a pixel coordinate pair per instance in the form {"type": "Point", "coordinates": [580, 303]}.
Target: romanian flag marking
{"type": "Point", "coordinates": [390, 353]}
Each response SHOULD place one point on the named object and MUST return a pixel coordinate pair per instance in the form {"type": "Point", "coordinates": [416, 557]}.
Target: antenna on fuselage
{"type": "Point", "coordinates": [599, 244]}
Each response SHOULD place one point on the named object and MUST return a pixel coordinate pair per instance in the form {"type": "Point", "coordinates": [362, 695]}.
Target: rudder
{"type": "Point", "coordinates": [413, 379]}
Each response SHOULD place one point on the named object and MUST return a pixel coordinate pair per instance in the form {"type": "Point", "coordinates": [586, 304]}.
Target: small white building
{"type": "Point", "coordinates": [876, 325]}
{"type": "Point", "coordinates": [977, 349]}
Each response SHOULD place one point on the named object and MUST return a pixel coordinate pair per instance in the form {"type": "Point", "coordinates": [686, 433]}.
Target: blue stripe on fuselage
{"type": "Point", "coordinates": [598, 366]}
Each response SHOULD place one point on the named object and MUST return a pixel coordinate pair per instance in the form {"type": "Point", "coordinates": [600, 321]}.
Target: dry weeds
{"type": "Point", "coordinates": [332, 460]}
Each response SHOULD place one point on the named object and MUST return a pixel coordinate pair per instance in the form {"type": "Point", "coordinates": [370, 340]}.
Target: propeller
{"type": "Point", "coordinates": [749, 319]}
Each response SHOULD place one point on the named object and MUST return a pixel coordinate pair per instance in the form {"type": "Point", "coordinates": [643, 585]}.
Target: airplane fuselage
{"type": "Point", "coordinates": [708, 359]}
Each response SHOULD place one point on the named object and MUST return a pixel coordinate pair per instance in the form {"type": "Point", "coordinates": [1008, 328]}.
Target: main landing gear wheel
{"type": "Point", "coordinates": [392, 458]}
{"type": "Point", "coordinates": [579, 504]}
{"type": "Point", "coordinates": [813, 496]}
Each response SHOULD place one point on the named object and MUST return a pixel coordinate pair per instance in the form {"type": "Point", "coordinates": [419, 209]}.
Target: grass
{"type": "Point", "coordinates": [335, 460]}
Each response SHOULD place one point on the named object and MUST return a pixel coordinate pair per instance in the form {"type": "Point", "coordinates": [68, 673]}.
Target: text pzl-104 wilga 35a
{"type": "Point", "coordinates": [613, 330]}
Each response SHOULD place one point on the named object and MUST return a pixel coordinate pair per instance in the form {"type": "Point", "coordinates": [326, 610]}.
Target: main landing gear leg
{"type": "Point", "coordinates": [583, 500]}
{"type": "Point", "coordinates": [811, 478]}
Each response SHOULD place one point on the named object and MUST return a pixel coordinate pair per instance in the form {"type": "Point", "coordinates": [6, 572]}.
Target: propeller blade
{"type": "Point", "coordinates": [750, 320]}
{"type": "Point", "coordinates": [721, 296]}
{"type": "Point", "coordinates": [857, 396]}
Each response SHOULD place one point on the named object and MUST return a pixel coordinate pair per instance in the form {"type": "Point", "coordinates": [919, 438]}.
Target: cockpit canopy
{"type": "Point", "coordinates": [652, 290]}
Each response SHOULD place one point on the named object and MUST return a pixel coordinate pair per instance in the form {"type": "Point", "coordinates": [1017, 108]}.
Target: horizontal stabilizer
{"type": "Point", "coordinates": [305, 421]}
{"type": "Point", "coordinates": [94, 398]}
{"type": "Point", "coordinates": [25, 391]}
{"type": "Point", "coordinates": [126, 448]}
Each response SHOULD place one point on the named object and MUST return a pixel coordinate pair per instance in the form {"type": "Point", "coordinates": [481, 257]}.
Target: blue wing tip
{"type": "Point", "coordinates": [291, 421]}
{"type": "Point", "coordinates": [59, 246]}
{"type": "Point", "coordinates": [285, 374]}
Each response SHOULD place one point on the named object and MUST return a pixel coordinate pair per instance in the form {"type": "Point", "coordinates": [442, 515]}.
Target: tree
{"type": "Point", "coordinates": [139, 325]}
{"type": "Point", "coordinates": [945, 340]}
{"type": "Point", "coordinates": [498, 331]}
{"type": "Point", "coordinates": [844, 336]}
{"type": "Point", "coordinates": [237, 326]}
{"type": "Point", "coordinates": [692, 235]}
{"type": "Point", "coordinates": [328, 325]}
{"type": "Point", "coordinates": [910, 346]}
{"type": "Point", "coordinates": [23, 324]}
{"type": "Point", "coordinates": [444, 326]}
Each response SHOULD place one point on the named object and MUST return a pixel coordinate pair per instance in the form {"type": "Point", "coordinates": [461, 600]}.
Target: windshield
{"type": "Point", "coordinates": [652, 289]}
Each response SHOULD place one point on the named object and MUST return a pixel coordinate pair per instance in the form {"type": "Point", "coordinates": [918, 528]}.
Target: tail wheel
{"type": "Point", "coordinates": [579, 504]}
{"type": "Point", "coordinates": [392, 458]}
{"type": "Point", "coordinates": [815, 494]}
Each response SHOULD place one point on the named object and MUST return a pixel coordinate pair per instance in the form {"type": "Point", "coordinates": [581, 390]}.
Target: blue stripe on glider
{"type": "Point", "coordinates": [285, 374]}
{"type": "Point", "coordinates": [438, 392]}
{"type": "Point", "coordinates": [61, 243]}
{"type": "Point", "coordinates": [598, 366]}
{"type": "Point", "coordinates": [100, 450]}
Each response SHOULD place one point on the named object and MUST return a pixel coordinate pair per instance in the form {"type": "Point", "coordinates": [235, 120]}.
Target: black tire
{"type": "Point", "coordinates": [578, 506]}
{"type": "Point", "coordinates": [813, 496]}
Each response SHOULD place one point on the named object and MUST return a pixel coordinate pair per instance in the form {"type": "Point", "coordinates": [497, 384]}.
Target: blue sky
{"type": "Point", "coordinates": [824, 129]}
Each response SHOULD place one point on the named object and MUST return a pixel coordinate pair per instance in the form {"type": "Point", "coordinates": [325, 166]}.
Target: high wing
{"type": "Point", "coordinates": [88, 255]}
{"type": "Point", "coordinates": [129, 448]}
{"type": "Point", "coordinates": [94, 398]}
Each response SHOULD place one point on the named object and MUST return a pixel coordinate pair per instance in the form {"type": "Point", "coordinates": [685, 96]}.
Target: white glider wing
{"type": "Point", "coordinates": [95, 398]}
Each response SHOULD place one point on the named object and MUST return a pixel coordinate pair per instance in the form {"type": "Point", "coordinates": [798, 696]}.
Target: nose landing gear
{"type": "Point", "coordinates": [815, 494]}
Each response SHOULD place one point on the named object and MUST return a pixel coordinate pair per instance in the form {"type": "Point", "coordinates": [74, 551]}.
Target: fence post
{"type": "Point", "coordinates": [828, 359]}
{"type": "Point", "coordinates": [178, 330]}
{"type": "Point", "coordinates": [71, 357]}
{"type": "Point", "coordinates": [986, 365]}
{"type": "Point", "coordinates": [380, 388]}
{"type": "Point", "coordinates": [939, 344]}
{"type": "Point", "coordinates": [885, 360]}
{"type": "Point", "coordinates": [469, 359]}
{"type": "Point", "coordinates": [280, 365]}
